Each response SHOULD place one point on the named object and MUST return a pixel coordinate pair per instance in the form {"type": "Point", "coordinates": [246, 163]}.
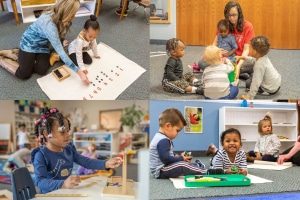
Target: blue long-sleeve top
{"type": "Point", "coordinates": [165, 153]}
{"type": "Point", "coordinates": [51, 169]}
{"type": "Point", "coordinates": [37, 36]}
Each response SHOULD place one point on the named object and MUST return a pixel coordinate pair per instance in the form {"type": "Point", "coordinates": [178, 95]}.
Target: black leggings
{"type": "Point", "coordinates": [85, 57]}
{"type": "Point", "coordinates": [32, 63]}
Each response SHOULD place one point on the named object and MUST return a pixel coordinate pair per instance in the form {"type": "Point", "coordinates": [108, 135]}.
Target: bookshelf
{"type": "Point", "coordinates": [106, 142]}
{"type": "Point", "coordinates": [246, 120]}
{"type": "Point", "coordinates": [87, 7]}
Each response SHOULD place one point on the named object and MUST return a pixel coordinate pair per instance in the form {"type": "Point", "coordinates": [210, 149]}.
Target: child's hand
{"type": "Point", "coordinates": [186, 158]}
{"type": "Point", "coordinates": [65, 43]}
{"type": "Point", "coordinates": [71, 182]}
{"type": "Point", "coordinates": [245, 97]}
{"type": "Point", "coordinates": [83, 77]}
{"type": "Point", "coordinates": [113, 162]}
{"type": "Point", "coordinates": [243, 171]}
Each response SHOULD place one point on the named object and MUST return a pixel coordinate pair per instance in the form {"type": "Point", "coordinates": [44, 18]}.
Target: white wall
{"type": "Point", "coordinates": [92, 108]}
{"type": "Point", "coordinates": [165, 31]}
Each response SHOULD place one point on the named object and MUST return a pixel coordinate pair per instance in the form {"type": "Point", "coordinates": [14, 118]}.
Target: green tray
{"type": "Point", "coordinates": [226, 180]}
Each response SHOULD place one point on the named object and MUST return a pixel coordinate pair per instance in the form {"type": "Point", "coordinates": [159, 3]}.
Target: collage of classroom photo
{"type": "Point", "coordinates": [149, 99]}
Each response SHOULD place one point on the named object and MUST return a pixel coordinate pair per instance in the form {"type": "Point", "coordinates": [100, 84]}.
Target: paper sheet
{"type": "Point", "coordinates": [116, 71]}
{"type": "Point", "coordinates": [269, 165]}
{"type": "Point", "coordinates": [179, 182]}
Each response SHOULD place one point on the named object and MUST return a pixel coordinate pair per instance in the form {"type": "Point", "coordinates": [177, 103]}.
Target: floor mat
{"type": "Point", "coordinates": [164, 189]}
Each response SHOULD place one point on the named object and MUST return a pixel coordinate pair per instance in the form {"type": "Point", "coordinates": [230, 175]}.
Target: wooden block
{"type": "Point", "coordinates": [61, 73]}
{"type": "Point", "coordinates": [115, 189]}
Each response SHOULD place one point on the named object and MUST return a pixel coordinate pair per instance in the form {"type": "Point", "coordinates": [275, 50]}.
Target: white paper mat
{"type": "Point", "coordinates": [115, 80]}
{"type": "Point", "coordinates": [179, 182]}
{"type": "Point", "coordinates": [269, 165]}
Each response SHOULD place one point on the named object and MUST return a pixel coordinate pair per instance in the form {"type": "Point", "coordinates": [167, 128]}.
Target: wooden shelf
{"type": "Point", "coordinates": [246, 121]}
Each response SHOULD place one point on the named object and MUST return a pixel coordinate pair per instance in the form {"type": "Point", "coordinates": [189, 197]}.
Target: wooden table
{"type": "Point", "coordinates": [92, 189]}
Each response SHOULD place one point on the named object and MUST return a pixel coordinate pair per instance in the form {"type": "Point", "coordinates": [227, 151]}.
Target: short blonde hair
{"type": "Point", "coordinates": [63, 13]}
{"type": "Point", "coordinates": [212, 55]}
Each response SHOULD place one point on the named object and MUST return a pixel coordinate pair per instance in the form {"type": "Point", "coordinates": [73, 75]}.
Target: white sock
{"type": "Point", "coordinates": [195, 80]}
{"type": "Point", "coordinates": [193, 90]}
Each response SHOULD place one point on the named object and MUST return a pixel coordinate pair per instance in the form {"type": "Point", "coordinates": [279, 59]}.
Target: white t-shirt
{"type": "Point", "coordinates": [22, 138]}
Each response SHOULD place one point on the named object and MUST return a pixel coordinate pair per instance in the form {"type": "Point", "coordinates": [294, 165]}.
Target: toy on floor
{"type": "Point", "coordinates": [120, 186]}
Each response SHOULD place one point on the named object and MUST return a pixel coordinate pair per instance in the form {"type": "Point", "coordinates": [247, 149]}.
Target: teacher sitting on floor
{"type": "Point", "coordinates": [52, 28]}
{"type": "Point", "coordinates": [243, 32]}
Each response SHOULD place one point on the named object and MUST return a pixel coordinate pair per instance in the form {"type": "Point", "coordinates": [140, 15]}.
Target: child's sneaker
{"type": "Point", "coordinates": [119, 12]}
{"type": "Point", "coordinates": [200, 164]}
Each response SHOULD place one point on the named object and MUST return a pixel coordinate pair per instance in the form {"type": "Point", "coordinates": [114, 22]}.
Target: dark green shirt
{"type": "Point", "coordinates": [173, 69]}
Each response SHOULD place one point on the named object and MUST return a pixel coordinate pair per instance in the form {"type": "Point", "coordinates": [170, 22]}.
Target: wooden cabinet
{"type": "Point", "coordinates": [276, 19]}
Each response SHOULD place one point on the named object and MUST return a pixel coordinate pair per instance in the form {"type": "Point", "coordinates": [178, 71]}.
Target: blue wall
{"type": "Point", "coordinates": [200, 142]}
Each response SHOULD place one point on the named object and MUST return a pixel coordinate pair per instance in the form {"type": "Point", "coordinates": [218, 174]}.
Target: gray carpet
{"type": "Point", "coordinates": [283, 181]}
{"type": "Point", "coordinates": [130, 37]}
{"type": "Point", "coordinates": [287, 63]}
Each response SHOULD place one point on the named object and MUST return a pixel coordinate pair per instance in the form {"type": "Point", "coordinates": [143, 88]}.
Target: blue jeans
{"type": "Point", "coordinates": [233, 92]}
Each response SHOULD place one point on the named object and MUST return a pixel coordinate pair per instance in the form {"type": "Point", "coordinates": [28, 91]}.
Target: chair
{"type": "Point", "coordinates": [22, 184]}
{"type": "Point", "coordinates": [146, 5]}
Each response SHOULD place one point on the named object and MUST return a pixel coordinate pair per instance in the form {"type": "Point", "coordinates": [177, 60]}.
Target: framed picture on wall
{"type": "Point", "coordinates": [110, 120]}
{"type": "Point", "coordinates": [160, 11]}
{"type": "Point", "coordinates": [194, 119]}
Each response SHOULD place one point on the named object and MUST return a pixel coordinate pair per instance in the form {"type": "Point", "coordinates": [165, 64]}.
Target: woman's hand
{"type": "Point", "coordinates": [282, 158]}
{"type": "Point", "coordinates": [71, 182]}
{"type": "Point", "coordinates": [83, 76]}
{"type": "Point", "coordinates": [238, 58]}
{"type": "Point", "coordinates": [113, 162]}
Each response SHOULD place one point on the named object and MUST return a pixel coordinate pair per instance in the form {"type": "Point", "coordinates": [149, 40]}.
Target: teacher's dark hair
{"type": "Point", "coordinates": [240, 22]}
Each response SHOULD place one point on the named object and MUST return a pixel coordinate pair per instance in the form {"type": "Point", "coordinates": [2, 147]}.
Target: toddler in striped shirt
{"type": "Point", "coordinates": [231, 156]}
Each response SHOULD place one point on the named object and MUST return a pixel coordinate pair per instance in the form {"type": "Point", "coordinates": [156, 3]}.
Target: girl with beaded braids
{"type": "Point", "coordinates": [53, 160]}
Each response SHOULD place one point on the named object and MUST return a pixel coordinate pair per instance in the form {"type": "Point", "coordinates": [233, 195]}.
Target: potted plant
{"type": "Point", "coordinates": [130, 118]}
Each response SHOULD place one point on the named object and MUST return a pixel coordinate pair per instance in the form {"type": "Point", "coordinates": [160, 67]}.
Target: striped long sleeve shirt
{"type": "Point", "coordinates": [215, 80]}
{"type": "Point", "coordinates": [222, 161]}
